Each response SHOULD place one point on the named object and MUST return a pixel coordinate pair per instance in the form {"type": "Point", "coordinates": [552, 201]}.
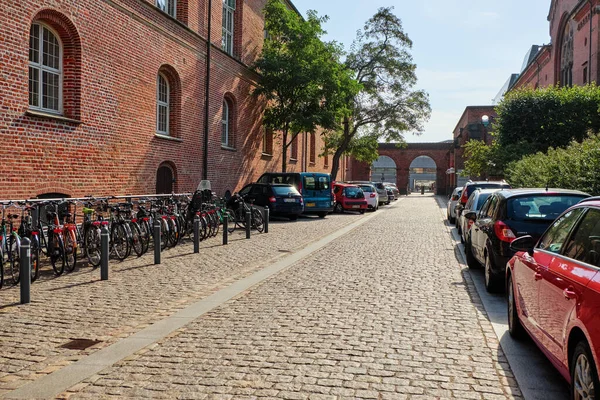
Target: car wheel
{"type": "Point", "coordinates": [471, 261]}
{"type": "Point", "coordinates": [362, 211]}
{"type": "Point", "coordinates": [458, 229]}
{"type": "Point", "coordinates": [293, 217]}
{"type": "Point", "coordinates": [492, 281]}
{"type": "Point", "coordinates": [584, 377]}
{"type": "Point", "coordinates": [322, 214]}
{"type": "Point", "coordinates": [338, 208]}
{"type": "Point", "coordinates": [514, 324]}
{"type": "Point", "coordinates": [451, 220]}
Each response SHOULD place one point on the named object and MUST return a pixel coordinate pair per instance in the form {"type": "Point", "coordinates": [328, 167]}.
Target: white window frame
{"type": "Point", "coordinates": [225, 124]}
{"type": "Point", "coordinates": [160, 103]}
{"type": "Point", "coordinates": [168, 7]}
{"type": "Point", "coordinates": [42, 68]}
{"type": "Point", "coordinates": [228, 15]}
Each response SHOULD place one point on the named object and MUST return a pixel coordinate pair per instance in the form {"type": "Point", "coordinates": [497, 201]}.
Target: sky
{"type": "Point", "coordinates": [465, 50]}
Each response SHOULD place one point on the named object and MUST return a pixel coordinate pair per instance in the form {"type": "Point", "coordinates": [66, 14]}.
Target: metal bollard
{"type": "Point", "coordinates": [25, 271]}
{"type": "Point", "coordinates": [156, 242]}
{"type": "Point", "coordinates": [248, 224]}
{"type": "Point", "coordinates": [197, 234]}
{"type": "Point", "coordinates": [225, 229]}
{"type": "Point", "coordinates": [104, 253]}
{"type": "Point", "coordinates": [266, 219]}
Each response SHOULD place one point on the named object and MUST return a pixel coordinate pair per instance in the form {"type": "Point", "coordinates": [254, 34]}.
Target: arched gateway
{"type": "Point", "coordinates": [440, 153]}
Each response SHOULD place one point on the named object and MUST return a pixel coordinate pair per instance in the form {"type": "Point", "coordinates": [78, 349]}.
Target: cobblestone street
{"type": "Point", "coordinates": [383, 312]}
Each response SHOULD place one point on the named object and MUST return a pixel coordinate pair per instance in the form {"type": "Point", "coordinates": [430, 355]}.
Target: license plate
{"type": "Point", "coordinates": [355, 206]}
{"type": "Point", "coordinates": [289, 200]}
{"type": "Point", "coordinates": [310, 204]}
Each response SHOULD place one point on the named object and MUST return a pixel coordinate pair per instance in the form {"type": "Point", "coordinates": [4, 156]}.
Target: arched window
{"type": "Point", "coordinates": [228, 25]}
{"type": "Point", "coordinates": [227, 124]}
{"type": "Point", "coordinates": [294, 145]}
{"type": "Point", "coordinates": [162, 105]}
{"type": "Point", "coordinates": [566, 59]}
{"type": "Point", "coordinates": [45, 69]}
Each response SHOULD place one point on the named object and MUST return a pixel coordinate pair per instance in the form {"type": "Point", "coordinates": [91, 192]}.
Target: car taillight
{"type": "Point", "coordinates": [503, 232]}
{"type": "Point", "coordinates": [464, 197]}
{"type": "Point", "coordinates": [372, 195]}
{"type": "Point", "coordinates": [272, 199]}
{"type": "Point", "coordinates": [469, 224]}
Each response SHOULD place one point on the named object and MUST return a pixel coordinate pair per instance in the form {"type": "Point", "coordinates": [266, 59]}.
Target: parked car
{"type": "Point", "coordinates": [349, 197]}
{"type": "Point", "coordinates": [394, 189]}
{"type": "Point", "coordinates": [554, 295]}
{"type": "Point", "coordinates": [451, 207]}
{"type": "Point", "coordinates": [314, 187]}
{"type": "Point", "coordinates": [478, 197]}
{"type": "Point", "coordinates": [390, 193]}
{"type": "Point", "coordinates": [381, 191]}
{"type": "Point", "coordinates": [470, 186]}
{"type": "Point", "coordinates": [282, 199]}
{"type": "Point", "coordinates": [506, 215]}
{"type": "Point", "coordinates": [371, 195]}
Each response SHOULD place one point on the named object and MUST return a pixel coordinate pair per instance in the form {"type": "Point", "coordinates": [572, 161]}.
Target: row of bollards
{"type": "Point", "coordinates": [25, 249]}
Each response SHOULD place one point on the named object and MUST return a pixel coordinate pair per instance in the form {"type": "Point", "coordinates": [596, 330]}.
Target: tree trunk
{"type": "Point", "coordinates": [335, 162]}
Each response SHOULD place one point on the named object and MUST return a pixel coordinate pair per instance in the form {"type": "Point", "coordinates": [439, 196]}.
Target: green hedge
{"type": "Point", "coordinates": [574, 167]}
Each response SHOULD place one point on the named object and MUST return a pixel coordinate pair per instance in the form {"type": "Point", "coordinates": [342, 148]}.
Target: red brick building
{"type": "Point", "coordinates": [108, 96]}
{"type": "Point", "coordinates": [572, 57]}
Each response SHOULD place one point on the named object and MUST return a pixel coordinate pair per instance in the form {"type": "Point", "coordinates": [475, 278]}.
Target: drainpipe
{"type": "Point", "coordinates": [207, 88]}
{"type": "Point", "coordinates": [590, 44]}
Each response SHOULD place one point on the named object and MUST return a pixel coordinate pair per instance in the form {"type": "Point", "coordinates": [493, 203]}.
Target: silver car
{"type": "Point", "coordinates": [474, 203]}
{"type": "Point", "coordinates": [451, 212]}
{"type": "Point", "coordinates": [381, 191]}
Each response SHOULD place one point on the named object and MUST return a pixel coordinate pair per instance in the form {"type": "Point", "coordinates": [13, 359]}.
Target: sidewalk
{"type": "Point", "coordinates": [138, 293]}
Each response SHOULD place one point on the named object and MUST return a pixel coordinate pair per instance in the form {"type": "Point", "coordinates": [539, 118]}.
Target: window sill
{"type": "Point", "coordinates": [224, 147]}
{"type": "Point", "coordinates": [266, 155]}
{"type": "Point", "coordinates": [312, 163]}
{"type": "Point", "coordinates": [293, 160]}
{"type": "Point", "coordinates": [41, 114]}
{"type": "Point", "coordinates": [165, 137]}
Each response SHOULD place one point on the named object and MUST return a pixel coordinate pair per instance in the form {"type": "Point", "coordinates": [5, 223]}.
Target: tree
{"type": "Point", "coordinates": [301, 76]}
{"type": "Point", "coordinates": [386, 106]}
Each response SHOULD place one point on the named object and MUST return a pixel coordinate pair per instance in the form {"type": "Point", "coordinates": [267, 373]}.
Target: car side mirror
{"type": "Point", "coordinates": [472, 215]}
{"type": "Point", "coordinates": [523, 243]}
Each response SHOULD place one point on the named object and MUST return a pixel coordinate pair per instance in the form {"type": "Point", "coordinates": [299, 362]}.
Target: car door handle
{"type": "Point", "coordinates": [538, 276]}
{"type": "Point", "coordinates": [569, 294]}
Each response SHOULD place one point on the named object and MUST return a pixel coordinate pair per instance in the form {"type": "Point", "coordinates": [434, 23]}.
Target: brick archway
{"type": "Point", "coordinates": [441, 153]}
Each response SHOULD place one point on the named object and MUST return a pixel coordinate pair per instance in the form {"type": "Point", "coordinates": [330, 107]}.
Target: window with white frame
{"type": "Point", "coordinates": [168, 6]}
{"type": "Point", "coordinates": [45, 70]}
{"type": "Point", "coordinates": [162, 105]}
{"type": "Point", "coordinates": [225, 125]}
{"type": "Point", "coordinates": [228, 19]}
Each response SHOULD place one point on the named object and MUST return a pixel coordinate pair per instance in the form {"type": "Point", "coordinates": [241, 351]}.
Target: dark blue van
{"type": "Point", "coordinates": [315, 188]}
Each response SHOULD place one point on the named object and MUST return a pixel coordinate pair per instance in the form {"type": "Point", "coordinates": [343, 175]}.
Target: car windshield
{"type": "Point", "coordinates": [540, 207]}
{"type": "Point", "coordinates": [367, 189]}
{"type": "Point", "coordinates": [354, 193]}
{"type": "Point", "coordinates": [285, 190]}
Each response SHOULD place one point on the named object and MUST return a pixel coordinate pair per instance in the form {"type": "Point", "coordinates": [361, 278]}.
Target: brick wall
{"type": "Point", "coordinates": [113, 52]}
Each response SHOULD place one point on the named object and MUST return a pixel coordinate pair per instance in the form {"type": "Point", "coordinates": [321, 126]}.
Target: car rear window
{"type": "Point", "coordinates": [471, 188]}
{"type": "Point", "coordinates": [354, 193]}
{"type": "Point", "coordinates": [367, 189]}
{"type": "Point", "coordinates": [482, 198]}
{"type": "Point", "coordinates": [316, 183]}
{"type": "Point", "coordinates": [543, 207]}
{"type": "Point", "coordinates": [285, 190]}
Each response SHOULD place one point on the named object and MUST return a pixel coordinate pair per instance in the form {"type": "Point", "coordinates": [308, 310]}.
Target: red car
{"type": "Point", "coordinates": [349, 197]}
{"type": "Point", "coordinates": [554, 294]}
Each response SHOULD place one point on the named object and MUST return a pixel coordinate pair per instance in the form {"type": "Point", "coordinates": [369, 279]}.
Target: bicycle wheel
{"type": "Point", "coordinates": [35, 258]}
{"type": "Point", "coordinates": [240, 217]}
{"type": "Point", "coordinates": [173, 233]}
{"type": "Point", "coordinates": [92, 243]}
{"type": "Point", "coordinates": [204, 226]}
{"type": "Point", "coordinates": [14, 259]}
{"type": "Point", "coordinates": [70, 250]}
{"type": "Point", "coordinates": [145, 235]}
{"type": "Point", "coordinates": [230, 219]}
{"type": "Point", "coordinates": [216, 222]}
{"type": "Point", "coordinates": [136, 239]}
{"type": "Point", "coordinates": [56, 250]}
{"type": "Point", "coordinates": [119, 241]}
{"type": "Point", "coordinates": [164, 234]}
{"type": "Point", "coordinates": [257, 220]}
{"type": "Point", "coordinates": [1, 268]}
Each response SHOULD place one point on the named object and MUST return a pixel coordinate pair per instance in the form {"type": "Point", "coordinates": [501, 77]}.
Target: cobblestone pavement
{"type": "Point", "coordinates": [384, 312]}
{"type": "Point", "coordinates": [138, 293]}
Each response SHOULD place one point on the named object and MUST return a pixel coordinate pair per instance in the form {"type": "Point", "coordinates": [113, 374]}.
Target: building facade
{"type": "Point", "coordinates": [572, 57]}
{"type": "Point", "coordinates": [107, 97]}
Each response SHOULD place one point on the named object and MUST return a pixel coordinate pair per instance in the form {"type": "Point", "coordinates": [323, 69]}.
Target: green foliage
{"type": "Point", "coordinates": [302, 78]}
{"type": "Point", "coordinates": [574, 167]}
{"type": "Point", "coordinates": [387, 105]}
